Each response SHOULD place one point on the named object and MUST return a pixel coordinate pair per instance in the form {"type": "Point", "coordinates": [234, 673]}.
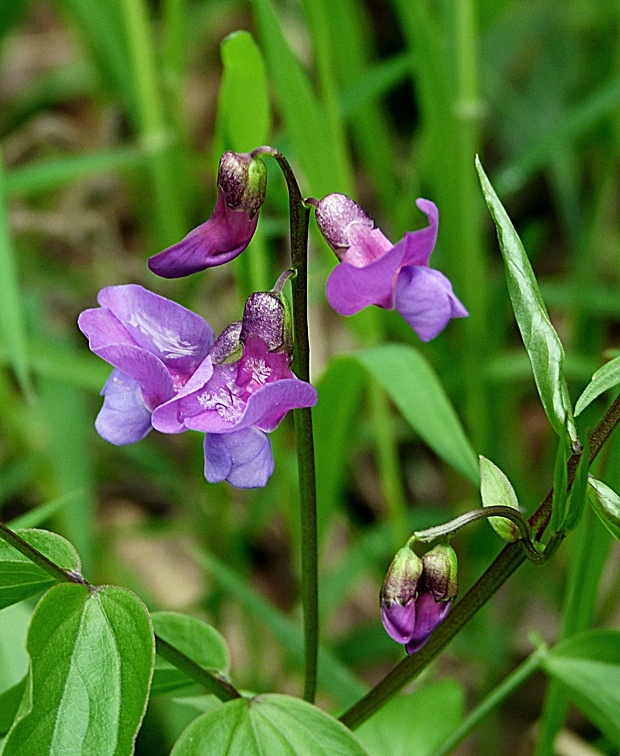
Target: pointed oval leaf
{"type": "Point", "coordinates": [268, 724]}
{"type": "Point", "coordinates": [606, 504]}
{"type": "Point", "coordinates": [496, 490]}
{"type": "Point", "coordinates": [91, 659]}
{"type": "Point", "coordinates": [589, 665]}
{"type": "Point", "coordinates": [21, 578]}
{"type": "Point", "coordinates": [192, 637]}
{"type": "Point", "coordinates": [605, 378]}
{"type": "Point", "coordinates": [416, 390]}
{"type": "Point", "coordinates": [417, 723]}
{"type": "Point", "coordinates": [243, 117]}
{"type": "Point", "coordinates": [541, 341]}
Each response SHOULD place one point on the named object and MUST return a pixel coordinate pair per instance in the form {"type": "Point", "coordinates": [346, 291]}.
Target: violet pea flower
{"type": "Point", "coordinates": [373, 271]}
{"type": "Point", "coordinates": [229, 230]}
{"type": "Point", "coordinates": [154, 345]}
{"type": "Point", "coordinates": [429, 614]}
{"type": "Point", "coordinates": [236, 404]}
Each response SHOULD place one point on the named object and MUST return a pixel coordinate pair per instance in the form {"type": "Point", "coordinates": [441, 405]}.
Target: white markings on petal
{"type": "Point", "coordinates": [165, 339]}
{"type": "Point", "coordinates": [227, 405]}
{"type": "Point", "coordinates": [259, 369]}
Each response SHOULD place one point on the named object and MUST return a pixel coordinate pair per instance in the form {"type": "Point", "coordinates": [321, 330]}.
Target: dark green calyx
{"type": "Point", "coordinates": [401, 580]}
{"type": "Point", "coordinates": [440, 572]}
{"type": "Point", "coordinates": [243, 181]}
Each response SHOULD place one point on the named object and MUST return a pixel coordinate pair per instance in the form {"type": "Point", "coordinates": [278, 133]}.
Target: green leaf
{"type": "Point", "coordinates": [589, 665]}
{"type": "Point", "coordinates": [417, 392]}
{"type": "Point", "coordinates": [194, 638]}
{"type": "Point", "coordinates": [21, 578]}
{"type": "Point", "coordinates": [496, 490]}
{"type": "Point", "coordinates": [560, 486]}
{"type": "Point", "coordinates": [92, 653]}
{"type": "Point", "coordinates": [268, 724]}
{"type": "Point", "coordinates": [577, 498]}
{"type": "Point", "coordinates": [605, 378]}
{"type": "Point", "coordinates": [541, 341]}
{"type": "Point", "coordinates": [14, 621]}
{"type": "Point", "coordinates": [9, 704]}
{"type": "Point", "coordinates": [606, 504]}
{"type": "Point", "coordinates": [43, 512]}
{"type": "Point", "coordinates": [340, 393]}
{"type": "Point", "coordinates": [417, 723]}
{"type": "Point", "coordinates": [243, 116]}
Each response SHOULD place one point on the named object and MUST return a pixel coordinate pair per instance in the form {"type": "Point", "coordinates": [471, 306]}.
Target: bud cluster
{"type": "Point", "coordinates": [417, 594]}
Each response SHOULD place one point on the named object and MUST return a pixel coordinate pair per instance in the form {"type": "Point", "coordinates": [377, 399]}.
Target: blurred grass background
{"type": "Point", "coordinates": [113, 115]}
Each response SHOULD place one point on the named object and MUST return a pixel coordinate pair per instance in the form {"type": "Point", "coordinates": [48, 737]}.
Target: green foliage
{"type": "Point", "coordinates": [589, 665]}
{"type": "Point", "coordinates": [496, 489]}
{"type": "Point", "coordinates": [606, 504]}
{"type": "Point", "coordinates": [198, 641]}
{"type": "Point", "coordinates": [417, 392]}
{"type": "Point", "coordinates": [92, 653]}
{"type": "Point", "coordinates": [20, 578]}
{"type": "Point", "coordinates": [274, 724]}
{"type": "Point", "coordinates": [416, 723]}
{"type": "Point", "coordinates": [605, 378]}
{"type": "Point", "coordinates": [541, 341]}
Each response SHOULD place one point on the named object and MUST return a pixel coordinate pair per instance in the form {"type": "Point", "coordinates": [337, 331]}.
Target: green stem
{"type": "Point", "coordinates": [221, 688]}
{"type": "Point", "coordinates": [516, 678]}
{"type": "Point", "coordinates": [495, 576]}
{"type": "Point", "coordinates": [300, 217]}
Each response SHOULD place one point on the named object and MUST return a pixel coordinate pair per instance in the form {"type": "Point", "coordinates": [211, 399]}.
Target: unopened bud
{"type": "Point", "coordinates": [440, 572]}
{"type": "Point", "coordinates": [243, 181]}
{"type": "Point", "coordinates": [267, 315]}
{"type": "Point", "coordinates": [334, 215]}
{"type": "Point", "coordinates": [401, 580]}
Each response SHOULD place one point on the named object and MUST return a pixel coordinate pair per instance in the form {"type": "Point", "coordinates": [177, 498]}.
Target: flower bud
{"type": "Point", "coordinates": [267, 315]}
{"type": "Point", "coordinates": [228, 347]}
{"type": "Point", "coordinates": [334, 215]}
{"type": "Point", "coordinates": [398, 595]}
{"type": "Point", "coordinates": [243, 181]}
{"type": "Point", "coordinates": [440, 572]}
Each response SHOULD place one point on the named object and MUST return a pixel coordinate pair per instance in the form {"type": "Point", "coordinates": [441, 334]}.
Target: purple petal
{"type": "Point", "coordinates": [429, 614]}
{"type": "Point", "coordinates": [124, 417]}
{"type": "Point", "coordinates": [350, 289]}
{"type": "Point", "coordinates": [265, 408]}
{"type": "Point", "coordinates": [224, 236]}
{"type": "Point", "coordinates": [366, 245]}
{"type": "Point", "coordinates": [242, 458]}
{"type": "Point", "coordinates": [398, 620]}
{"type": "Point", "coordinates": [425, 299]}
{"type": "Point", "coordinates": [168, 418]}
{"type": "Point", "coordinates": [180, 338]}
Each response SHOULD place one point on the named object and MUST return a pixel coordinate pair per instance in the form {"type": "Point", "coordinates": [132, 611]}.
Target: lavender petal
{"type": "Point", "coordinates": [124, 417]}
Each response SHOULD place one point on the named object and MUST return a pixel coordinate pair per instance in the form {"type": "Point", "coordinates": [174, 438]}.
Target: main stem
{"type": "Point", "coordinates": [495, 576]}
{"type": "Point", "coordinates": [300, 216]}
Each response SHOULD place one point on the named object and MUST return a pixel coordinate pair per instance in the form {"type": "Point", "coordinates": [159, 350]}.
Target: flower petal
{"type": "Point", "coordinates": [224, 236]}
{"type": "Point", "coordinates": [398, 620]}
{"type": "Point", "coordinates": [124, 417]}
{"type": "Point", "coordinates": [429, 614]}
{"type": "Point", "coordinates": [180, 338]}
{"type": "Point", "coordinates": [425, 299]}
{"type": "Point", "coordinates": [167, 418]}
{"type": "Point", "coordinates": [420, 244]}
{"type": "Point", "coordinates": [242, 458]}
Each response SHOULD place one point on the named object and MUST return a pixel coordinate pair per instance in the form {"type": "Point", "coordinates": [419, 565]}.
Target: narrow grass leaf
{"type": "Point", "coordinates": [416, 723]}
{"type": "Point", "coordinates": [244, 113]}
{"type": "Point", "coordinates": [416, 390]}
{"type": "Point", "coordinates": [194, 638]}
{"type": "Point", "coordinates": [37, 516]}
{"type": "Point", "coordinates": [588, 664]}
{"type": "Point", "coordinates": [92, 654]}
{"type": "Point", "coordinates": [21, 578]}
{"type": "Point", "coordinates": [577, 498]}
{"type": "Point", "coordinates": [560, 484]}
{"type": "Point", "coordinates": [340, 392]}
{"type": "Point", "coordinates": [606, 504]}
{"type": "Point", "coordinates": [333, 676]}
{"type": "Point", "coordinates": [496, 490]}
{"type": "Point", "coordinates": [605, 378]}
{"type": "Point", "coordinates": [541, 341]}
{"type": "Point", "coordinates": [267, 724]}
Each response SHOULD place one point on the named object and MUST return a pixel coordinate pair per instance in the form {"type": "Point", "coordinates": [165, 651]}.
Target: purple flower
{"type": "Point", "coordinates": [374, 271]}
{"type": "Point", "coordinates": [241, 191]}
{"type": "Point", "coordinates": [429, 613]}
{"type": "Point", "coordinates": [398, 594]}
{"type": "Point", "coordinates": [155, 346]}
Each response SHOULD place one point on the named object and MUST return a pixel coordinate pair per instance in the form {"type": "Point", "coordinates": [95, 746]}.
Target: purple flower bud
{"type": "Point", "coordinates": [429, 614]}
{"type": "Point", "coordinates": [398, 594]}
{"type": "Point", "coordinates": [268, 315]}
{"type": "Point", "coordinates": [373, 271]}
{"type": "Point", "coordinates": [241, 192]}
{"type": "Point", "coordinates": [440, 572]}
